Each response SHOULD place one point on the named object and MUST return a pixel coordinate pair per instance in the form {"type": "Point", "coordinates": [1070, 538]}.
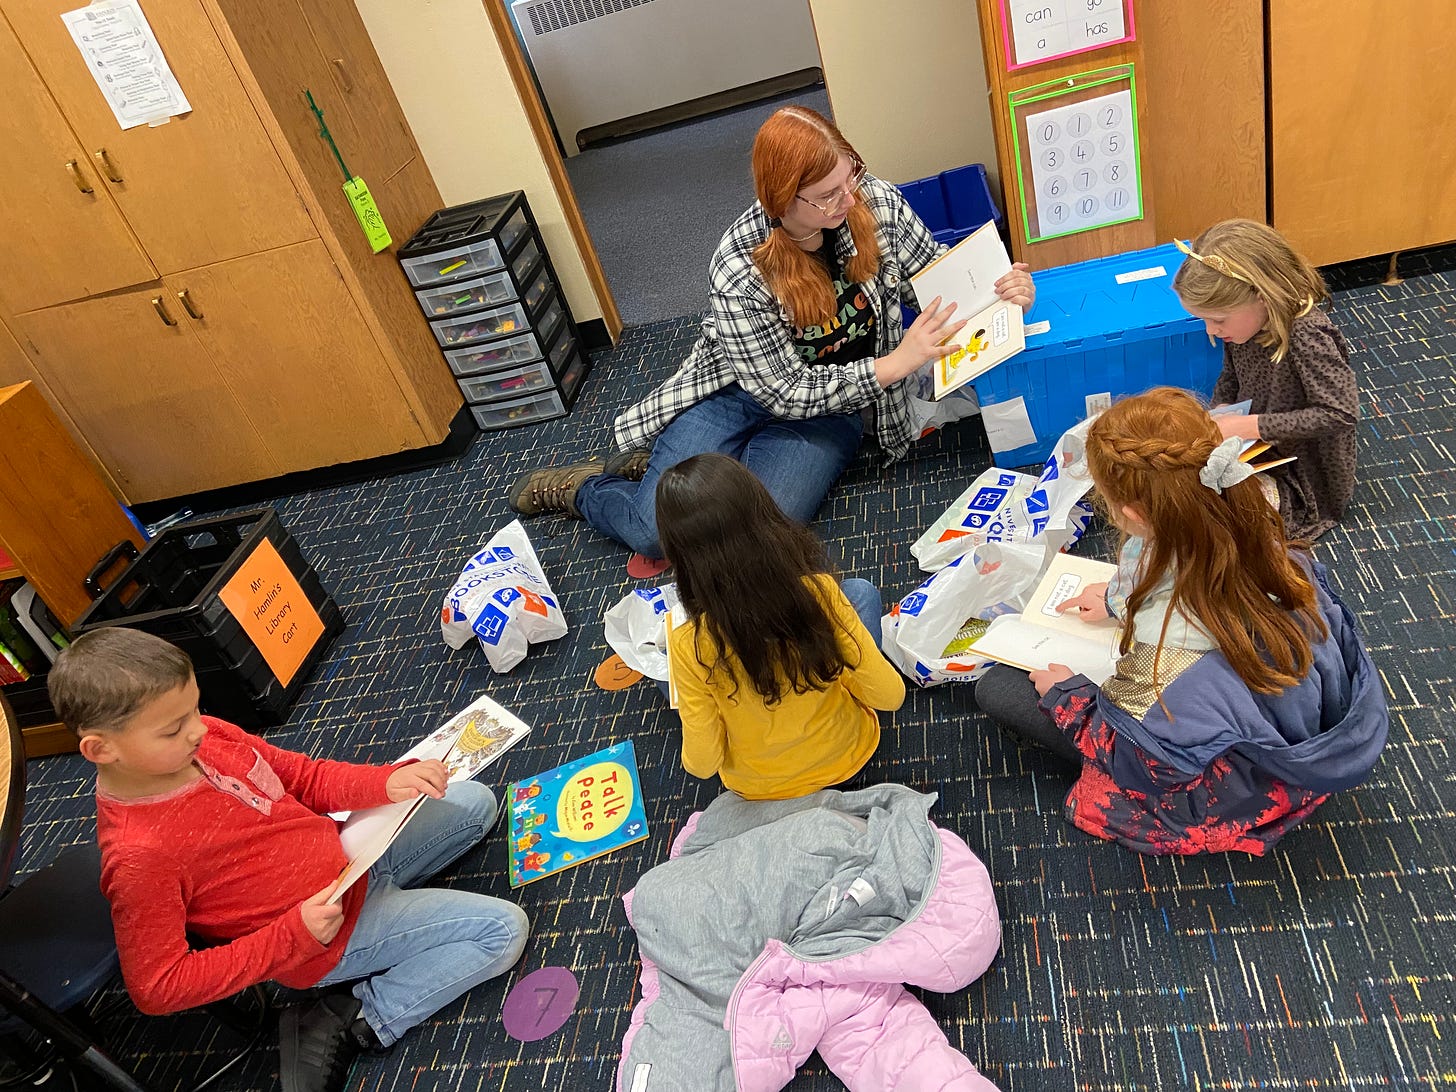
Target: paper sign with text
{"type": "Point", "coordinates": [267, 600]}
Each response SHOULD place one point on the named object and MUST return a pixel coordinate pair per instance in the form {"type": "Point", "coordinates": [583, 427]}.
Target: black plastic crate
{"type": "Point", "coordinates": [172, 590]}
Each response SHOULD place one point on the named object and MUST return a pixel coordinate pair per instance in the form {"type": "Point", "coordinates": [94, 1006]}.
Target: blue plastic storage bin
{"type": "Point", "coordinates": [953, 202]}
{"type": "Point", "coordinates": [927, 198]}
{"type": "Point", "coordinates": [1116, 328]}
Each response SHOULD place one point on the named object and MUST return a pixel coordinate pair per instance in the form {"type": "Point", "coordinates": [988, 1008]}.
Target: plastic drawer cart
{"type": "Point", "coordinates": [485, 282]}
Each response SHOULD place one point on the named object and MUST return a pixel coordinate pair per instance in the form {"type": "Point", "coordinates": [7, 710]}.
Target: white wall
{"type": "Point", "coordinates": [450, 76]}
{"type": "Point", "coordinates": [908, 84]}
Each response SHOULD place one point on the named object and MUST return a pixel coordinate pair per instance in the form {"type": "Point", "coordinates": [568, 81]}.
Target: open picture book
{"type": "Point", "coordinates": [1041, 635]}
{"type": "Point", "coordinates": [467, 743]}
{"type": "Point", "coordinates": [966, 275]}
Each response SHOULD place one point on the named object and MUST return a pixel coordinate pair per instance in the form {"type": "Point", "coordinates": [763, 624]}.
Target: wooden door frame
{"type": "Point", "coordinates": [520, 70]}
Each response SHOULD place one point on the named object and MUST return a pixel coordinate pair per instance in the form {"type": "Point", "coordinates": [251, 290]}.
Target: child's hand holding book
{"type": "Point", "coordinates": [429, 777]}
{"type": "Point", "coordinates": [323, 919]}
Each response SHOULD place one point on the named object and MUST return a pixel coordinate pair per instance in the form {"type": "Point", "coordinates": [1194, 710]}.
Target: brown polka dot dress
{"type": "Point", "coordinates": [1307, 406]}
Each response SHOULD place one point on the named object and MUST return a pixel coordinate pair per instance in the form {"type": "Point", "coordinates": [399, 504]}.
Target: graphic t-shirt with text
{"type": "Point", "coordinates": [850, 334]}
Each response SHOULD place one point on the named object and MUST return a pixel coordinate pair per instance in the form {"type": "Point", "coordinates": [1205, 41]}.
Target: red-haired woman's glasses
{"type": "Point", "coordinates": [839, 197]}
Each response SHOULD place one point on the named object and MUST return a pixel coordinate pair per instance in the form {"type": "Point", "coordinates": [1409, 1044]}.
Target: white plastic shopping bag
{"type": "Point", "coordinates": [503, 599]}
{"type": "Point", "coordinates": [988, 580]}
{"type": "Point", "coordinates": [1008, 506]}
{"type": "Point", "coordinates": [637, 629]}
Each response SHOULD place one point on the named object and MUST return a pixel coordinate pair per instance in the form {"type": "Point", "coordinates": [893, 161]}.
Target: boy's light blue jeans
{"type": "Point", "coordinates": [797, 461]}
{"type": "Point", "coordinates": [417, 950]}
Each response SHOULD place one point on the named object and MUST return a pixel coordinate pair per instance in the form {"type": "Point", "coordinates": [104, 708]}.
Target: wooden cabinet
{"type": "Point", "coordinates": [210, 313]}
{"type": "Point", "coordinates": [215, 163]}
{"type": "Point", "coordinates": [1362, 98]}
{"type": "Point", "coordinates": [144, 393]}
{"type": "Point", "coordinates": [58, 208]}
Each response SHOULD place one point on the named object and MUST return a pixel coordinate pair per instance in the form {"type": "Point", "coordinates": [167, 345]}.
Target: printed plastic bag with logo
{"type": "Point", "coordinates": [1008, 506]}
{"type": "Point", "coordinates": [637, 629]}
{"type": "Point", "coordinates": [925, 633]}
{"type": "Point", "coordinates": [502, 598]}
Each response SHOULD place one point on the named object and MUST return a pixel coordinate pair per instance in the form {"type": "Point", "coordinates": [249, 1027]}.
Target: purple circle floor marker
{"type": "Point", "coordinates": [540, 1003]}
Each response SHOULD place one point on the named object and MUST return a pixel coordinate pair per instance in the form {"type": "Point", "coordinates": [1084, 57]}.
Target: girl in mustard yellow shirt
{"type": "Point", "coordinates": [777, 666]}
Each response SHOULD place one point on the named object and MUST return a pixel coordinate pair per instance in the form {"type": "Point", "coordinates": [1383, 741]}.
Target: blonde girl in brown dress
{"type": "Point", "coordinates": [1283, 354]}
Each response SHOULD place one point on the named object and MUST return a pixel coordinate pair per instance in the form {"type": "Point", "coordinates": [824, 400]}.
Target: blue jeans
{"type": "Point", "coordinates": [863, 596]}
{"type": "Point", "coordinates": [415, 951]}
{"type": "Point", "coordinates": [796, 460]}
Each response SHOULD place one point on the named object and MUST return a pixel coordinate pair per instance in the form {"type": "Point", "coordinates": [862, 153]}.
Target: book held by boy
{"type": "Point", "coordinates": [1041, 635]}
{"type": "Point", "coordinates": [588, 807]}
{"type": "Point", "coordinates": [467, 743]}
{"type": "Point", "coordinates": [966, 275]}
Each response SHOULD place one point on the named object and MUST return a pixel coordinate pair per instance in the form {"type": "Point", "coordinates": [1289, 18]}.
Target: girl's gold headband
{"type": "Point", "coordinates": [1216, 262]}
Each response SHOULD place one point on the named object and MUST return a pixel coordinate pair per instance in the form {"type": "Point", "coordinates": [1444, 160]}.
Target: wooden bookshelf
{"type": "Point", "coordinates": [57, 518]}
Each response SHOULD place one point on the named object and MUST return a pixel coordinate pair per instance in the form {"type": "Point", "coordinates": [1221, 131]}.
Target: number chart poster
{"type": "Point", "coordinates": [1036, 31]}
{"type": "Point", "coordinates": [1077, 163]}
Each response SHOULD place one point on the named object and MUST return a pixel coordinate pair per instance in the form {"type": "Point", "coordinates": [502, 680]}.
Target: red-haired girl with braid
{"type": "Point", "coordinates": [1243, 695]}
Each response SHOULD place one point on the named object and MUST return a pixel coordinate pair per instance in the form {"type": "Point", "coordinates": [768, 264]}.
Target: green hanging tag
{"type": "Point", "coordinates": [367, 213]}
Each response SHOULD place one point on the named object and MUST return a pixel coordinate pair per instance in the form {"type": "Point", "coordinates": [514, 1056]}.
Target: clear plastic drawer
{"type": "Point", "coordinates": [470, 260]}
{"type": "Point", "coordinates": [511, 383]}
{"type": "Point", "coordinates": [523, 411]}
{"type": "Point", "coordinates": [470, 295]}
{"type": "Point", "coordinates": [480, 326]}
{"type": "Point", "coordinates": [494, 355]}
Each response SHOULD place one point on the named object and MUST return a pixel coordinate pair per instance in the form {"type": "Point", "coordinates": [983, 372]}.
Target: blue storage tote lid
{"type": "Point", "coordinates": [1118, 299]}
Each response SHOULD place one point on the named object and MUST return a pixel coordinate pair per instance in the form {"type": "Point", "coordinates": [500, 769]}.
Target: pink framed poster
{"type": "Point", "coordinates": [1036, 31]}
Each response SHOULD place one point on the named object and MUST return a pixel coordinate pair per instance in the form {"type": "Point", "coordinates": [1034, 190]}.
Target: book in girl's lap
{"type": "Point", "coordinates": [1243, 696]}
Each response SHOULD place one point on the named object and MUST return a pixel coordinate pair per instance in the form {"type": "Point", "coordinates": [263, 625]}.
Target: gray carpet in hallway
{"type": "Point", "coordinates": [657, 204]}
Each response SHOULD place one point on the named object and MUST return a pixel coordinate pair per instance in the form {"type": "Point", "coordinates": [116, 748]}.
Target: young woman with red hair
{"type": "Point", "coordinates": [802, 336]}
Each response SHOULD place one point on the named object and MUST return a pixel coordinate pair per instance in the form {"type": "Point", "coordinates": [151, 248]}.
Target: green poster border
{"type": "Point", "coordinates": [1051, 89]}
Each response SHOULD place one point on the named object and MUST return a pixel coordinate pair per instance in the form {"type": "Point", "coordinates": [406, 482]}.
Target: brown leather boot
{"type": "Point", "coordinates": [553, 488]}
{"type": "Point", "coordinates": [631, 465]}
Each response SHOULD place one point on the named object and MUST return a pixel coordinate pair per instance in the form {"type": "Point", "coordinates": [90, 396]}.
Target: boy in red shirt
{"type": "Point", "coordinates": [209, 831]}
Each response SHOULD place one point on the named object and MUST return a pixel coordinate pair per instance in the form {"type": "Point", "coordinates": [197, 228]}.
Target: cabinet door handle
{"type": "Point", "coordinates": [77, 177]}
{"type": "Point", "coordinates": [103, 157]}
{"type": "Point", "coordinates": [161, 309]}
{"type": "Point", "coordinates": [344, 81]}
{"type": "Point", "coordinates": [73, 169]}
{"type": "Point", "coordinates": [191, 308]}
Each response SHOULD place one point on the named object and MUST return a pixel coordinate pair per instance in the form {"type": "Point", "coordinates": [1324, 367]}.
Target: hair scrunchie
{"type": "Point", "coordinates": [1223, 467]}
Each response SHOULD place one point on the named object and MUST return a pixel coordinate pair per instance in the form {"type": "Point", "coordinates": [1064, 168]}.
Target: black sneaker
{"type": "Point", "coordinates": [317, 1043]}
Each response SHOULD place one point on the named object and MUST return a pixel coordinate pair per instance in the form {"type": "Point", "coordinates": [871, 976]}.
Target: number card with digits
{"type": "Point", "coordinates": [1077, 160]}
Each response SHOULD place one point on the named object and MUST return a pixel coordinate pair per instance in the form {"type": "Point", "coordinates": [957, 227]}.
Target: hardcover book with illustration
{"type": "Point", "coordinates": [966, 275]}
{"type": "Point", "coordinates": [1041, 635]}
{"type": "Point", "coordinates": [578, 811]}
{"type": "Point", "coordinates": [467, 743]}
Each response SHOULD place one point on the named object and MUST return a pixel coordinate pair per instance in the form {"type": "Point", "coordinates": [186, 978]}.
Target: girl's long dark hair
{"type": "Point", "coordinates": [741, 568]}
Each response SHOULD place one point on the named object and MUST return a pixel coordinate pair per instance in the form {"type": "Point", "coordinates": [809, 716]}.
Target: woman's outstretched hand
{"type": "Point", "coordinates": [929, 337]}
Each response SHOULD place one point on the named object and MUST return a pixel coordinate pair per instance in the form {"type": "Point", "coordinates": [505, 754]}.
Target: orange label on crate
{"type": "Point", "coordinates": [267, 600]}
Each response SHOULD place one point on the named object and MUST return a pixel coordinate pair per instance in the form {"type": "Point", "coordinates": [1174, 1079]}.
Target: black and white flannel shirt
{"type": "Point", "coordinates": [748, 337]}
